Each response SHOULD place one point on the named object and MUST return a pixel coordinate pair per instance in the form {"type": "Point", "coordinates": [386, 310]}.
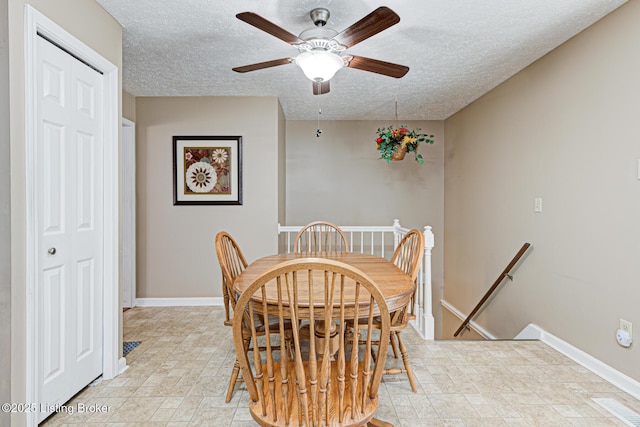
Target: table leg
{"type": "Point", "coordinates": [320, 334]}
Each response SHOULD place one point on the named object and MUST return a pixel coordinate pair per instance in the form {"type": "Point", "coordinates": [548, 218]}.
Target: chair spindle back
{"type": "Point", "coordinates": [308, 389]}
{"type": "Point", "coordinates": [408, 255]}
{"type": "Point", "coordinates": [232, 263]}
{"type": "Point", "coordinates": [320, 236]}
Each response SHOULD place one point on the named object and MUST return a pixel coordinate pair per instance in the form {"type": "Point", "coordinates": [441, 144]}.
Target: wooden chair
{"type": "Point", "coordinates": [232, 263]}
{"type": "Point", "coordinates": [314, 391]}
{"type": "Point", "coordinates": [407, 257]}
{"type": "Point", "coordinates": [320, 236]}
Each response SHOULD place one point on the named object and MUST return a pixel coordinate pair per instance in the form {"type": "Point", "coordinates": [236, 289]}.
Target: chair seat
{"type": "Point", "coordinates": [361, 416]}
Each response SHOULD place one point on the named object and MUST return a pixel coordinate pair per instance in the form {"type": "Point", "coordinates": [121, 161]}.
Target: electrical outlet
{"type": "Point", "coordinates": [625, 325]}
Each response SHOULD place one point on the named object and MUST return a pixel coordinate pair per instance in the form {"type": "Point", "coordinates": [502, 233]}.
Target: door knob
{"type": "Point", "coordinates": [52, 251]}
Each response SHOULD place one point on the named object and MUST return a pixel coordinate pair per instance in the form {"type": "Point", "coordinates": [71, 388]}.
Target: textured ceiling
{"type": "Point", "coordinates": [457, 50]}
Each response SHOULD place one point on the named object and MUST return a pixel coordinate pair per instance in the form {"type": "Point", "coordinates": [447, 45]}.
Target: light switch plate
{"type": "Point", "coordinates": [537, 206]}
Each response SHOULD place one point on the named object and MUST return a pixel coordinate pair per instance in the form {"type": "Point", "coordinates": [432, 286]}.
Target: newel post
{"type": "Point", "coordinates": [427, 314]}
{"type": "Point", "coordinates": [396, 233]}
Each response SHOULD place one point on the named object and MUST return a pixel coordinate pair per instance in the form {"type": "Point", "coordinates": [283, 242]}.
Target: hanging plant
{"type": "Point", "coordinates": [394, 142]}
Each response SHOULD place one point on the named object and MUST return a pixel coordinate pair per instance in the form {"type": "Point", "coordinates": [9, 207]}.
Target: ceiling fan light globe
{"type": "Point", "coordinates": [319, 65]}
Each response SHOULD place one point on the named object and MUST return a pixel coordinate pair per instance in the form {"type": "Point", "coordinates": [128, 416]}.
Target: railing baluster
{"type": "Point", "coordinates": [424, 316]}
{"type": "Point", "coordinates": [372, 243]}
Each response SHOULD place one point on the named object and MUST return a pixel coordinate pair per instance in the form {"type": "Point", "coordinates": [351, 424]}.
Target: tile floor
{"type": "Point", "coordinates": [178, 376]}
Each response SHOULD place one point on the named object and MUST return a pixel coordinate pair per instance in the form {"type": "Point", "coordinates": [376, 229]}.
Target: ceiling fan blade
{"type": "Point", "coordinates": [379, 67]}
{"type": "Point", "coordinates": [261, 65]}
{"type": "Point", "coordinates": [320, 88]}
{"type": "Point", "coordinates": [269, 27]}
{"type": "Point", "coordinates": [375, 22]}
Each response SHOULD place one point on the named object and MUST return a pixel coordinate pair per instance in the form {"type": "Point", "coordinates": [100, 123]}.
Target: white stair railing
{"type": "Point", "coordinates": [382, 240]}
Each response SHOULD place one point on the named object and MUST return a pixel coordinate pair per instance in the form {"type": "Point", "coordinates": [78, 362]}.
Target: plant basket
{"type": "Point", "coordinates": [399, 153]}
{"type": "Point", "coordinates": [393, 143]}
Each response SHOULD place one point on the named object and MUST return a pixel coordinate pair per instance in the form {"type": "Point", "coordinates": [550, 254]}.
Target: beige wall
{"type": "Point", "coordinates": [176, 249]}
{"type": "Point", "coordinates": [5, 218]}
{"type": "Point", "coordinates": [451, 323]}
{"type": "Point", "coordinates": [564, 129]}
{"type": "Point", "coordinates": [282, 170]}
{"type": "Point", "coordinates": [93, 26]}
{"type": "Point", "coordinates": [339, 177]}
{"type": "Point", "coordinates": [128, 106]}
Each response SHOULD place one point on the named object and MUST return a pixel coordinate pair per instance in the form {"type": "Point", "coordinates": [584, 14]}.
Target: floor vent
{"type": "Point", "coordinates": [623, 413]}
{"type": "Point", "coordinates": [128, 346]}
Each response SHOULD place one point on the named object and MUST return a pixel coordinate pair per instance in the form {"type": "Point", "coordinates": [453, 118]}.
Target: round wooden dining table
{"type": "Point", "coordinates": [396, 286]}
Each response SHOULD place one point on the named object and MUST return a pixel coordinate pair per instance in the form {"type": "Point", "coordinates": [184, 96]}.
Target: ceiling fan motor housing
{"type": "Point", "coordinates": [319, 16]}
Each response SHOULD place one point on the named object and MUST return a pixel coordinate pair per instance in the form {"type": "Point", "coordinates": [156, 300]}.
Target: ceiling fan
{"type": "Point", "coordinates": [321, 49]}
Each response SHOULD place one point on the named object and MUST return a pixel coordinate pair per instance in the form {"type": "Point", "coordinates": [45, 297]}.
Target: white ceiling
{"type": "Point", "coordinates": [457, 50]}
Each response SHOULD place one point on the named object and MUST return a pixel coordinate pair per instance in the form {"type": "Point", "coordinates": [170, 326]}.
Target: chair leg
{"type": "Point", "coordinates": [227, 311]}
{"type": "Point", "coordinates": [232, 381]}
{"type": "Point", "coordinates": [288, 344]}
{"type": "Point", "coordinates": [394, 344]}
{"type": "Point", "coordinates": [235, 372]}
{"type": "Point", "coordinates": [406, 362]}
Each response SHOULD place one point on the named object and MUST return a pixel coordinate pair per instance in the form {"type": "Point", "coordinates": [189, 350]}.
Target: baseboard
{"type": "Point", "coordinates": [473, 325]}
{"type": "Point", "coordinates": [122, 365]}
{"type": "Point", "coordinates": [612, 375]}
{"type": "Point", "coordinates": [426, 329]}
{"type": "Point", "coordinates": [179, 302]}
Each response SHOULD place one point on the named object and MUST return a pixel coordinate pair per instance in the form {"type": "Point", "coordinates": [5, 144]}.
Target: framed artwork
{"type": "Point", "coordinates": [207, 170]}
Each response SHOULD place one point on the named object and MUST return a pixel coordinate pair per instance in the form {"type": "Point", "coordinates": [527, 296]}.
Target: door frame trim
{"type": "Point", "coordinates": [36, 22]}
{"type": "Point", "coordinates": [129, 210]}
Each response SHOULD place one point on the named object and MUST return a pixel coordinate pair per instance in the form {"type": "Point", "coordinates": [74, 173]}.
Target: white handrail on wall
{"type": "Point", "coordinates": [371, 239]}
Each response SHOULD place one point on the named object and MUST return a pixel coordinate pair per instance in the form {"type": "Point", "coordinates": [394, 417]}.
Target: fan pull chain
{"type": "Point", "coordinates": [318, 130]}
{"type": "Point", "coordinates": [396, 113]}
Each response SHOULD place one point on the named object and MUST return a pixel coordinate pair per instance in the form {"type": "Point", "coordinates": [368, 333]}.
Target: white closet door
{"type": "Point", "coordinates": [69, 199]}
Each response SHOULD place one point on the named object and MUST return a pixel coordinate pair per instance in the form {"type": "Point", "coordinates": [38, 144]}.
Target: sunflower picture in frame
{"type": "Point", "coordinates": [207, 170]}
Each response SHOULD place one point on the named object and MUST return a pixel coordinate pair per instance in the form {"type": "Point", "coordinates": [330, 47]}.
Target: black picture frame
{"type": "Point", "coordinates": [207, 170]}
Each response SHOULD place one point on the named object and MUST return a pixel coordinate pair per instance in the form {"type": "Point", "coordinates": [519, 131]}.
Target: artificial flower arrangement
{"type": "Point", "coordinates": [394, 142]}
